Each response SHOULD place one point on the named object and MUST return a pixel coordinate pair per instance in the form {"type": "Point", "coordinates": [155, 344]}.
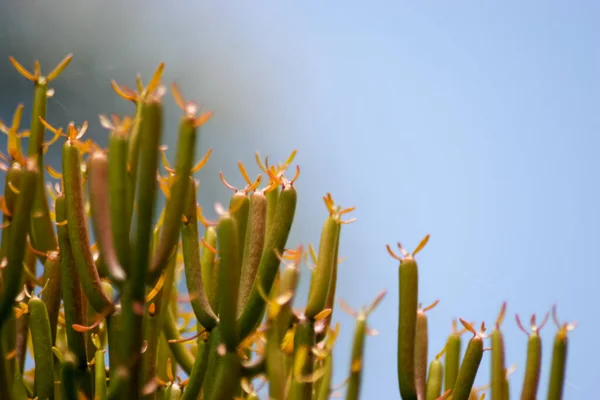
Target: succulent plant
{"type": "Point", "coordinates": [105, 320]}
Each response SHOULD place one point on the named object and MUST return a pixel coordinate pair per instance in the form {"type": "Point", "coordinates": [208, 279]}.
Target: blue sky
{"type": "Point", "coordinates": [471, 121]}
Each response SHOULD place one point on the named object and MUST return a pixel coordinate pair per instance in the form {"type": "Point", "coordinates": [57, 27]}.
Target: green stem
{"type": "Point", "coordinates": [269, 263]}
{"type": "Point", "coordinates": [117, 185]}
{"type": "Point", "coordinates": [43, 236]}
{"type": "Point", "coordinates": [227, 379]}
{"type": "Point", "coordinates": [100, 375]}
{"type": "Point", "coordinates": [42, 348]}
{"type": "Point", "coordinates": [78, 231]}
{"type": "Point", "coordinates": [356, 362]}
{"type": "Point", "coordinates": [304, 339]}
{"type": "Point", "coordinates": [253, 247]}
{"type": "Point", "coordinates": [558, 366]}
{"type": "Point", "coordinates": [193, 267]}
{"type": "Point", "coordinates": [322, 274]}
{"type": "Point", "coordinates": [452, 360]}
{"type": "Point", "coordinates": [468, 369]}
{"type": "Point", "coordinates": [434, 380]}
{"type": "Point", "coordinates": [229, 280]}
{"type": "Point", "coordinates": [5, 375]}
{"type": "Point", "coordinates": [421, 354]}
{"type": "Point", "coordinates": [52, 293]}
{"type": "Point", "coordinates": [97, 169]}
{"type": "Point", "coordinates": [196, 379]}
{"type": "Point", "coordinates": [13, 270]}
{"type": "Point", "coordinates": [71, 288]}
{"type": "Point", "coordinates": [532, 370]}
{"type": "Point", "coordinates": [176, 203]}
{"type": "Point", "coordinates": [408, 304]}
{"type": "Point", "coordinates": [135, 289]}
{"type": "Point", "coordinates": [182, 355]}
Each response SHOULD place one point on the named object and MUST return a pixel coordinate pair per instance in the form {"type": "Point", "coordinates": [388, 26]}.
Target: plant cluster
{"type": "Point", "coordinates": [454, 377]}
{"type": "Point", "coordinates": [105, 320]}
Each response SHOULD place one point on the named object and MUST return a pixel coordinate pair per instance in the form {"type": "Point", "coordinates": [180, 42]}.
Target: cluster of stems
{"type": "Point", "coordinates": [106, 295]}
{"type": "Point", "coordinates": [451, 373]}
{"type": "Point", "coordinates": [91, 268]}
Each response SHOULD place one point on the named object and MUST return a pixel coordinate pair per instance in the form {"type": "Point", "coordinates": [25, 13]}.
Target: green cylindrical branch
{"type": "Point", "coordinates": [176, 202]}
{"type": "Point", "coordinates": [133, 296]}
{"type": "Point", "coordinates": [239, 206]}
{"type": "Point", "coordinates": [214, 344]}
{"type": "Point", "coordinates": [6, 376]}
{"type": "Point", "coordinates": [19, 391]}
{"type": "Point", "coordinates": [273, 190]}
{"type": "Point", "coordinates": [93, 328]}
{"type": "Point", "coordinates": [52, 290]}
{"type": "Point", "coordinates": [192, 263]}
{"type": "Point", "coordinates": [269, 262]}
{"type": "Point", "coordinates": [133, 158]}
{"type": "Point", "coordinates": [163, 353]}
{"type": "Point", "coordinates": [229, 279]}
{"type": "Point", "coordinates": [358, 346]}
{"type": "Point", "coordinates": [408, 277]}
{"type": "Point", "coordinates": [498, 370]}
{"type": "Point", "coordinates": [250, 221]}
{"type": "Point", "coordinates": [272, 199]}
{"type": "Point", "coordinates": [208, 259]}
{"type": "Point", "coordinates": [533, 366]}
{"type": "Point", "coordinates": [470, 364]}
{"type": "Point", "coordinates": [253, 245]}
{"type": "Point", "coordinates": [78, 230]}
{"type": "Point", "coordinates": [322, 273]}
{"type": "Point", "coordinates": [42, 347]}
{"type": "Point", "coordinates": [196, 378]}
{"type": "Point", "coordinates": [227, 381]}
{"type": "Point", "coordinates": [120, 221]}
{"type": "Point", "coordinates": [23, 322]}
{"type": "Point", "coordinates": [422, 350]}
{"type": "Point", "coordinates": [281, 310]}
{"type": "Point", "coordinates": [559, 358]}
{"type": "Point", "coordinates": [330, 302]}
{"type": "Point", "coordinates": [452, 357]}
{"type": "Point", "coordinates": [69, 374]}
{"type": "Point", "coordinates": [71, 288]}
{"type": "Point", "coordinates": [11, 331]}
{"type": "Point", "coordinates": [13, 270]}
{"type": "Point", "coordinates": [115, 335]}
{"type": "Point", "coordinates": [158, 301]}
{"type": "Point", "coordinates": [22, 336]}
{"type": "Point", "coordinates": [97, 170]}
{"type": "Point", "coordinates": [100, 392]}
{"type": "Point", "coordinates": [42, 230]}
{"type": "Point", "coordinates": [301, 386]}
{"type": "Point", "coordinates": [280, 316]}
{"type": "Point", "coordinates": [275, 363]}
{"type": "Point", "coordinates": [11, 187]}
{"type": "Point", "coordinates": [356, 361]}
{"type": "Point", "coordinates": [324, 391]}
{"type": "Point", "coordinates": [407, 322]}
{"type": "Point", "coordinates": [324, 276]}
{"type": "Point", "coordinates": [182, 355]}
{"type": "Point", "coordinates": [435, 378]}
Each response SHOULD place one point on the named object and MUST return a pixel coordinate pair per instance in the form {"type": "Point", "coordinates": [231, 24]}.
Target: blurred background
{"type": "Point", "coordinates": [474, 122]}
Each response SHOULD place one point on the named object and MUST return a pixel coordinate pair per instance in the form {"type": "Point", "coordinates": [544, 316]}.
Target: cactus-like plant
{"type": "Point", "coordinates": [103, 319]}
